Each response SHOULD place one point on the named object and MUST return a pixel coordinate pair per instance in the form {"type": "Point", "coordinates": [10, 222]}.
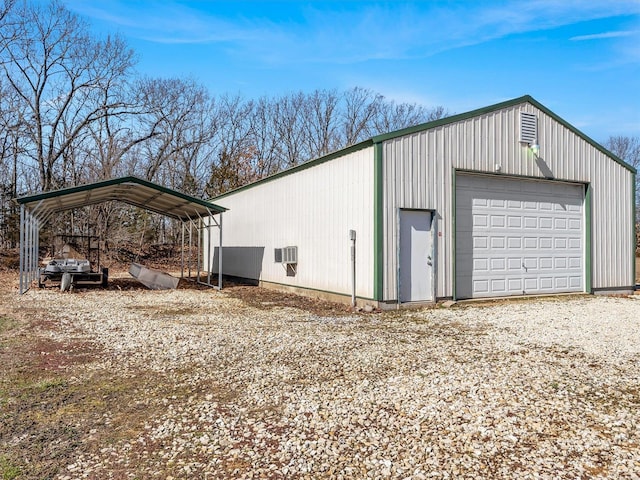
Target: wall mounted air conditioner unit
{"type": "Point", "coordinates": [286, 255]}
{"type": "Point", "coordinates": [290, 255]}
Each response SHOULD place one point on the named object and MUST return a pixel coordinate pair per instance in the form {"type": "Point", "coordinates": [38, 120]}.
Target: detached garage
{"type": "Point", "coordinates": [505, 200]}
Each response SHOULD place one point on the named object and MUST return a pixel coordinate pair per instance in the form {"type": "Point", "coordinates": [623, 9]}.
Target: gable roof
{"type": "Point", "coordinates": [428, 126]}
{"type": "Point", "coordinates": [131, 190]}
{"type": "Point", "coordinates": [499, 106]}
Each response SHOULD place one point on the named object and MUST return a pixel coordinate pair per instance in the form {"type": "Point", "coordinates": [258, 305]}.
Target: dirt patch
{"type": "Point", "coordinates": [265, 298]}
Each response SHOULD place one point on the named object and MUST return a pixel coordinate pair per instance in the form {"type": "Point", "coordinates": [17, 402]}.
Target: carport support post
{"type": "Point", "coordinates": [208, 227]}
{"type": "Point", "coordinates": [22, 248]}
{"type": "Point", "coordinates": [34, 249]}
{"type": "Point", "coordinates": [182, 250]}
{"type": "Point", "coordinates": [220, 252]}
{"type": "Point", "coordinates": [199, 227]}
{"type": "Point", "coordinates": [29, 248]}
{"type": "Point", "coordinates": [190, 246]}
{"type": "Point", "coordinates": [36, 246]}
{"type": "Point", "coordinates": [209, 250]}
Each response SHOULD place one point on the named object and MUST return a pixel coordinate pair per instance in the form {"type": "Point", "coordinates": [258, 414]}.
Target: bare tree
{"type": "Point", "coordinates": [395, 116]}
{"type": "Point", "coordinates": [288, 112]}
{"type": "Point", "coordinates": [73, 111]}
{"type": "Point", "coordinates": [5, 8]}
{"type": "Point", "coordinates": [59, 73]}
{"type": "Point", "coordinates": [320, 123]}
{"type": "Point", "coordinates": [628, 149]}
{"type": "Point", "coordinates": [175, 128]}
{"type": "Point", "coordinates": [264, 138]}
{"type": "Point", "coordinates": [361, 106]}
{"type": "Point", "coordinates": [298, 127]}
{"type": "Point", "coordinates": [234, 145]}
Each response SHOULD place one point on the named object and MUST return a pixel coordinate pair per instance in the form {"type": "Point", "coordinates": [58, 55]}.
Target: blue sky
{"type": "Point", "coordinates": [579, 58]}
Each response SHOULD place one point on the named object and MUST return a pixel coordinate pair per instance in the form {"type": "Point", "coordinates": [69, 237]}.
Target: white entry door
{"type": "Point", "coordinates": [416, 251]}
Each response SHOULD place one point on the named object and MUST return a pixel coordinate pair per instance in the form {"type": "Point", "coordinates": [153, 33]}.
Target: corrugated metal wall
{"type": "Point", "coordinates": [313, 209]}
{"type": "Point", "coordinates": [418, 173]}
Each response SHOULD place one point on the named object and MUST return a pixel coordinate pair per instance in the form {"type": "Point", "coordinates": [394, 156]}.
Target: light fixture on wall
{"type": "Point", "coordinates": [535, 148]}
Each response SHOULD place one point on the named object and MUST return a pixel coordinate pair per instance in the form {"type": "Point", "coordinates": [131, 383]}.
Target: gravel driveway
{"type": "Point", "coordinates": [525, 389]}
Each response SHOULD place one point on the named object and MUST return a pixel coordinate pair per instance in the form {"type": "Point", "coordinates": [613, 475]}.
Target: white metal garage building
{"type": "Point", "coordinates": [505, 200]}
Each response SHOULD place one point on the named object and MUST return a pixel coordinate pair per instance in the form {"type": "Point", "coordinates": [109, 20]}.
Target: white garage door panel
{"type": "Point", "coordinates": [516, 236]}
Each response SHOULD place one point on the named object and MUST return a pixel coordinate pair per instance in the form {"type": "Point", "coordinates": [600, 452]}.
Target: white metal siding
{"type": "Point", "coordinates": [418, 171]}
{"type": "Point", "coordinates": [313, 209]}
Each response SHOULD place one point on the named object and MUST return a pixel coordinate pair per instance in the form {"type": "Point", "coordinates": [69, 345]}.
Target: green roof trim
{"type": "Point", "coordinates": [493, 108]}
{"type": "Point", "coordinates": [588, 139]}
{"type": "Point", "coordinates": [117, 181]}
{"type": "Point", "coordinates": [178, 204]}
{"type": "Point", "coordinates": [452, 119]}
{"type": "Point", "coordinates": [428, 126]}
{"type": "Point", "coordinates": [300, 167]}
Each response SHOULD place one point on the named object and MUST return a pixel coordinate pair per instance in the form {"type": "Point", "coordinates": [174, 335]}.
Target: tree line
{"type": "Point", "coordinates": [73, 110]}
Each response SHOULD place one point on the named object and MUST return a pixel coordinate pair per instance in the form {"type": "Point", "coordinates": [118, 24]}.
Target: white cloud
{"type": "Point", "coordinates": [598, 36]}
{"type": "Point", "coordinates": [348, 32]}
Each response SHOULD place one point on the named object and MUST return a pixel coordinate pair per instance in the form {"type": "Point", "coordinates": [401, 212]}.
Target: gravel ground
{"type": "Point", "coordinates": [528, 389]}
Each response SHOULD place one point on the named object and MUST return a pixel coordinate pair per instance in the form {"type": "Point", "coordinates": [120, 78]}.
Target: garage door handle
{"type": "Point", "coordinates": [429, 262]}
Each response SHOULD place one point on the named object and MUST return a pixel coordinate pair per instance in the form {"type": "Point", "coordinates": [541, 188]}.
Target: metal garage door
{"type": "Point", "coordinates": [518, 237]}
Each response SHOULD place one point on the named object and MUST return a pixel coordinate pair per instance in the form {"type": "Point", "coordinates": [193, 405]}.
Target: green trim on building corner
{"type": "Point", "coordinates": [634, 241]}
{"type": "Point", "coordinates": [378, 221]}
{"type": "Point", "coordinates": [588, 275]}
{"type": "Point", "coordinates": [453, 232]}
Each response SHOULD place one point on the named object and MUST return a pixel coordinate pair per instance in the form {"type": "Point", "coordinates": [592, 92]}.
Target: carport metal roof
{"type": "Point", "coordinates": [131, 190]}
{"type": "Point", "coordinates": [36, 210]}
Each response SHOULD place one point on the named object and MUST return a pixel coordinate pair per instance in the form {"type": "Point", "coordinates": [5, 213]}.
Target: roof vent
{"type": "Point", "coordinates": [528, 127]}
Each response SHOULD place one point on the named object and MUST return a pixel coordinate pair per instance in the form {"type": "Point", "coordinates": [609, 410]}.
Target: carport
{"type": "Point", "coordinates": [37, 210]}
